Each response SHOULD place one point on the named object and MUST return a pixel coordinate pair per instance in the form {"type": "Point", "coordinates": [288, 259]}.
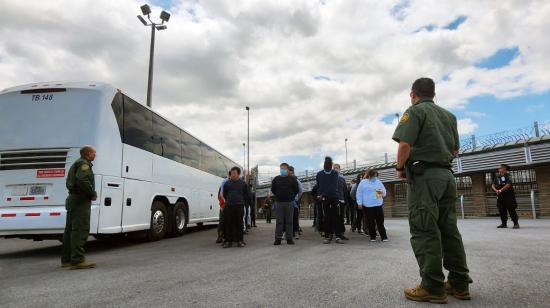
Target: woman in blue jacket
{"type": "Point", "coordinates": [370, 197]}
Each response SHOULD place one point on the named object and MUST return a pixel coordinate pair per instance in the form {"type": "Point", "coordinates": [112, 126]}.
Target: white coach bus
{"type": "Point", "coordinates": [149, 174]}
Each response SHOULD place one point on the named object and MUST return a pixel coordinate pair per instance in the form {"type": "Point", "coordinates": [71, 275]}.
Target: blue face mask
{"type": "Point", "coordinates": [284, 172]}
{"type": "Point", "coordinates": [374, 179]}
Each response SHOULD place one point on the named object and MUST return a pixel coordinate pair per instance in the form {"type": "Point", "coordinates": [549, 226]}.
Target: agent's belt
{"type": "Point", "coordinates": [429, 165]}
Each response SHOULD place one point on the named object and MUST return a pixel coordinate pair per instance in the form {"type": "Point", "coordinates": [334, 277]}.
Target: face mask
{"type": "Point", "coordinates": [374, 179]}
{"type": "Point", "coordinates": [284, 172]}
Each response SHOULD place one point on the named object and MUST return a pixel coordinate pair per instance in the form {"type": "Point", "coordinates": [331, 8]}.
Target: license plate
{"type": "Point", "coordinates": [37, 190]}
{"type": "Point", "coordinates": [20, 190]}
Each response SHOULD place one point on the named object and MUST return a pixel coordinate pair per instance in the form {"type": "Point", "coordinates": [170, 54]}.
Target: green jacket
{"type": "Point", "coordinates": [431, 131]}
{"type": "Point", "coordinates": [80, 180]}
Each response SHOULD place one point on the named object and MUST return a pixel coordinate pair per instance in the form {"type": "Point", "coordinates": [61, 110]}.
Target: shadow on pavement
{"type": "Point", "coordinates": [94, 245]}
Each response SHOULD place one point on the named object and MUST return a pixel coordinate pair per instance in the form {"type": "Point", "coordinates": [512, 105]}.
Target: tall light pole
{"type": "Point", "coordinates": [248, 139]}
{"type": "Point", "coordinates": [244, 156]}
{"type": "Point", "coordinates": [164, 16]}
{"type": "Point", "coordinates": [346, 143]}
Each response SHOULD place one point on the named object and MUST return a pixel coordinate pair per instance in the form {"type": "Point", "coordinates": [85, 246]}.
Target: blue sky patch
{"type": "Point", "coordinates": [494, 115]}
{"type": "Point", "coordinates": [456, 23]}
{"type": "Point", "coordinates": [165, 4]}
{"type": "Point", "coordinates": [399, 11]}
{"type": "Point", "coordinates": [499, 59]}
{"type": "Point", "coordinates": [389, 118]}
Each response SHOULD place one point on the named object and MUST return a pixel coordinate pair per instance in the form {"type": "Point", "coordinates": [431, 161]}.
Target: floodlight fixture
{"type": "Point", "coordinates": [145, 9]}
{"type": "Point", "coordinates": [161, 27]}
{"type": "Point", "coordinates": [165, 16]}
{"type": "Point", "coordinates": [142, 20]}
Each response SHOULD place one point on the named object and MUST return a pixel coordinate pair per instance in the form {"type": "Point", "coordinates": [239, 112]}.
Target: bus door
{"type": "Point", "coordinates": [110, 213]}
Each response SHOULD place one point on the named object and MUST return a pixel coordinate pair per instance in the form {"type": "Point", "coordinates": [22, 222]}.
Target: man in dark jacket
{"type": "Point", "coordinates": [284, 188]}
{"type": "Point", "coordinates": [327, 188]}
{"type": "Point", "coordinates": [236, 194]}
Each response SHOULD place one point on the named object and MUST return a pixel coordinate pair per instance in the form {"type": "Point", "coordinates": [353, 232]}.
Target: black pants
{"type": "Point", "coordinates": [267, 212]}
{"type": "Point", "coordinates": [358, 223]}
{"type": "Point", "coordinates": [375, 217]}
{"type": "Point", "coordinates": [331, 217]}
{"type": "Point", "coordinates": [296, 220]}
{"type": "Point", "coordinates": [343, 207]}
{"type": "Point", "coordinates": [348, 214]}
{"type": "Point", "coordinates": [365, 220]}
{"type": "Point", "coordinates": [233, 222]}
{"type": "Point", "coordinates": [253, 213]}
{"type": "Point", "coordinates": [504, 210]}
{"type": "Point", "coordinates": [220, 222]}
{"type": "Point", "coordinates": [352, 214]}
{"type": "Point", "coordinates": [315, 214]}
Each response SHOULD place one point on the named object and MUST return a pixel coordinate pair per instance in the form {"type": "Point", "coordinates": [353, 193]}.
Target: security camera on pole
{"type": "Point", "coordinates": [164, 16]}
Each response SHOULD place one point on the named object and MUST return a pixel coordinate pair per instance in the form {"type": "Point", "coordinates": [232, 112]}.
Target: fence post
{"type": "Point", "coordinates": [462, 205]}
{"type": "Point", "coordinates": [473, 142]}
{"type": "Point", "coordinates": [536, 126]}
{"type": "Point", "coordinates": [386, 158]}
{"type": "Point", "coordinates": [354, 164]}
{"type": "Point", "coordinates": [533, 204]}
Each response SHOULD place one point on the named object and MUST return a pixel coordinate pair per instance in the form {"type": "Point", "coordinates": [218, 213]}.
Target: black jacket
{"type": "Point", "coordinates": [236, 192]}
{"type": "Point", "coordinates": [284, 188]}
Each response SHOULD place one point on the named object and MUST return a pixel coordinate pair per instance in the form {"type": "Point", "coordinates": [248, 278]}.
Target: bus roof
{"type": "Point", "coordinates": [101, 86]}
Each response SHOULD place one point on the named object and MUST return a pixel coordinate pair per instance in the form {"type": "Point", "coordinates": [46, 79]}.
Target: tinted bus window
{"type": "Point", "coordinates": [208, 159]}
{"type": "Point", "coordinates": [138, 125]}
{"type": "Point", "coordinates": [190, 150]}
{"type": "Point", "coordinates": [118, 111]}
{"type": "Point", "coordinates": [167, 139]}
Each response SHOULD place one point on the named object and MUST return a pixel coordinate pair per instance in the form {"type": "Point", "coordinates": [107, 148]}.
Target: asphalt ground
{"type": "Point", "coordinates": [510, 268]}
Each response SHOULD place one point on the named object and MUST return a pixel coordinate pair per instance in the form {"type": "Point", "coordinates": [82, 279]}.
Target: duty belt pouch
{"type": "Point", "coordinates": [417, 168]}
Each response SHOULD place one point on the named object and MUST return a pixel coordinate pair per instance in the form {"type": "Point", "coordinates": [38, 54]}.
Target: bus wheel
{"type": "Point", "coordinates": [159, 221]}
{"type": "Point", "coordinates": [180, 219]}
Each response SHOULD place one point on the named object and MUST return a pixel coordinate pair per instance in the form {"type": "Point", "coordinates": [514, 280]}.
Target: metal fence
{"type": "Point", "coordinates": [537, 129]}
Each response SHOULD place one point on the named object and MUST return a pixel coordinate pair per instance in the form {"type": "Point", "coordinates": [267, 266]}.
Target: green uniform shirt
{"type": "Point", "coordinates": [431, 131]}
{"type": "Point", "coordinates": [80, 179]}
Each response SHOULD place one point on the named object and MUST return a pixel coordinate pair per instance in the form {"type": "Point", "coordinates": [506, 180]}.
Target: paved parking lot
{"type": "Point", "coordinates": [511, 268]}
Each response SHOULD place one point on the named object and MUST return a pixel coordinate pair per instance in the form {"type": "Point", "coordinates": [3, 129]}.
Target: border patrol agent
{"type": "Point", "coordinates": [506, 197]}
{"type": "Point", "coordinates": [428, 141]}
{"type": "Point", "coordinates": [81, 186]}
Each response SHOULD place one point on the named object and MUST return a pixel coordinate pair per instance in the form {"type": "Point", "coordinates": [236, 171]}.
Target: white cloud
{"type": "Point", "coordinates": [466, 126]}
{"type": "Point", "coordinates": [225, 55]}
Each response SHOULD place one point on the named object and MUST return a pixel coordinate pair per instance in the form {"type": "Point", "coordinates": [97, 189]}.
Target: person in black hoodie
{"type": "Point", "coordinates": [236, 194]}
{"type": "Point", "coordinates": [284, 188]}
{"type": "Point", "coordinates": [327, 188]}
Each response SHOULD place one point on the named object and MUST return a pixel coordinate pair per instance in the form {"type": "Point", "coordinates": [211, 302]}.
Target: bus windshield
{"type": "Point", "coordinates": [66, 118]}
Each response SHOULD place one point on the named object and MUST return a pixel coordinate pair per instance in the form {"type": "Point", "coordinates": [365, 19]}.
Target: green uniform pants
{"type": "Point", "coordinates": [77, 229]}
{"type": "Point", "coordinates": [435, 238]}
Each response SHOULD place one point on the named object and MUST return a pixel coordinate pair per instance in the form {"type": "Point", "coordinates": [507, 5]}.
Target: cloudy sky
{"type": "Point", "coordinates": [313, 72]}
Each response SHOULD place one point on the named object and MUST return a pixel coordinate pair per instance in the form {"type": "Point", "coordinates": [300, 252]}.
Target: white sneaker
{"type": "Point", "coordinates": [385, 240]}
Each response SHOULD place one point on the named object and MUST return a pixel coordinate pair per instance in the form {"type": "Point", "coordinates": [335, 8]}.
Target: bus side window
{"type": "Point", "coordinates": [118, 111]}
{"type": "Point", "coordinates": [138, 125]}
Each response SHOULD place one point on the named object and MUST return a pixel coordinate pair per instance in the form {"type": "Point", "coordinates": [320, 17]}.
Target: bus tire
{"type": "Point", "coordinates": [179, 219]}
{"type": "Point", "coordinates": [159, 221]}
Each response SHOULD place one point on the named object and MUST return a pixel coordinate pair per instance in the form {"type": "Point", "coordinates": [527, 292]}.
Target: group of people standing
{"type": "Point", "coordinates": [428, 141]}
{"type": "Point", "coordinates": [338, 204]}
